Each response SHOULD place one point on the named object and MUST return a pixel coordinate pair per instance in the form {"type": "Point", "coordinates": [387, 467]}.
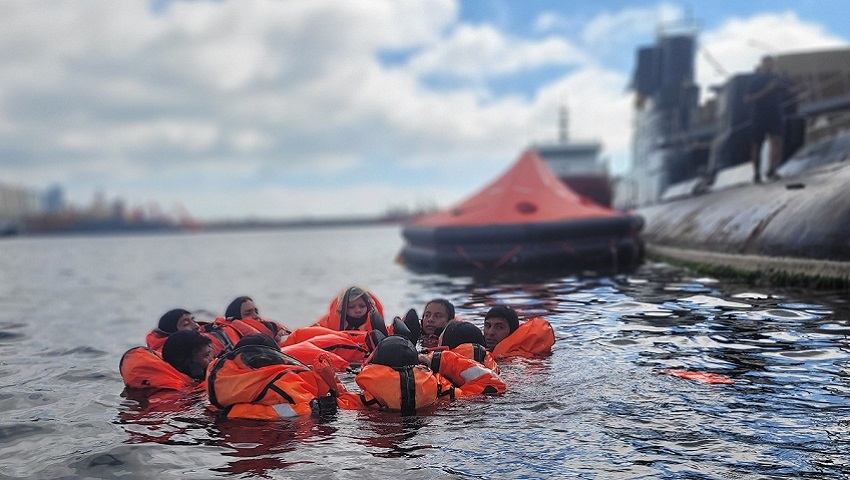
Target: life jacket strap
{"type": "Point", "coordinates": [407, 378]}
{"type": "Point", "coordinates": [479, 353]}
{"type": "Point", "coordinates": [449, 391]}
{"type": "Point", "coordinates": [271, 386]}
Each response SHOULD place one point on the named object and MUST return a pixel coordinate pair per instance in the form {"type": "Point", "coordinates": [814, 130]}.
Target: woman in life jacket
{"type": "Point", "coordinates": [258, 381]}
{"type": "Point", "coordinates": [505, 337]}
{"type": "Point", "coordinates": [393, 379]}
{"type": "Point", "coordinates": [170, 322]}
{"type": "Point", "coordinates": [244, 309]}
{"type": "Point", "coordinates": [466, 340]}
{"type": "Point", "coordinates": [182, 365]}
{"type": "Point", "coordinates": [354, 308]}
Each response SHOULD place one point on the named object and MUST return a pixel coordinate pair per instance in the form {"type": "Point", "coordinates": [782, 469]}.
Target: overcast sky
{"type": "Point", "coordinates": [290, 109]}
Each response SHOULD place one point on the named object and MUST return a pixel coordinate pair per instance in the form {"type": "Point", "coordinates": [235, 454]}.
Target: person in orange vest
{"type": "Point", "coordinates": [393, 379]}
{"type": "Point", "coordinates": [505, 337]}
{"type": "Point", "coordinates": [170, 322]}
{"type": "Point", "coordinates": [466, 340]}
{"type": "Point", "coordinates": [438, 312]}
{"type": "Point", "coordinates": [222, 335]}
{"type": "Point", "coordinates": [355, 308]}
{"type": "Point", "coordinates": [256, 380]}
{"type": "Point", "coordinates": [189, 353]}
{"type": "Point", "coordinates": [181, 367]}
{"type": "Point", "coordinates": [244, 309]}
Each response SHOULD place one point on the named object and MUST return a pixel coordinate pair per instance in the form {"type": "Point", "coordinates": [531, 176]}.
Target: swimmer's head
{"type": "Point", "coordinates": [396, 352]}
{"type": "Point", "coordinates": [458, 332]}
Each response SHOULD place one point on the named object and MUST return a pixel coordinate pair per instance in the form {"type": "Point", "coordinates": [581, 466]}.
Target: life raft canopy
{"type": "Point", "coordinates": [526, 218]}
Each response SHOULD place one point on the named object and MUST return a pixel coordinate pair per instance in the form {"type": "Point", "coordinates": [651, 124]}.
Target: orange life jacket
{"type": "Point", "coordinates": [240, 326]}
{"type": "Point", "coordinates": [468, 376]}
{"type": "Point", "coordinates": [402, 390]}
{"type": "Point", "coordinates": [411, 388]}
{"type": "Point", "coordinates": [533, 338]}
{"type": "Point", "coordinates": [222, 335]}
{"type": "Point", "coordinates": [333, 319]}
{"type": "Point", "coordinates": [155, 339]}
{"type": "Point", "coordinates": [308, 354]}
{"type": "Point", "coordinates": [306, 333]}
{"type": "Point", "coordinates": [143, 368]}
{"type": "Point", "coordinates": [266, 393]}
{"type": "Point", "coordinates": [340, 345]}
{"type": "Point", "coordinates": [266, 327]}
{"type": "Point", "coordinates": [476, 352]}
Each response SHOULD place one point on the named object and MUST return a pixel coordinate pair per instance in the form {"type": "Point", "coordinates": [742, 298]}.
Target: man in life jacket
{"type": "Point", "coordinates": [393, 379]}
{"type": "Point", "coordinates": [505, 337]}
{"type": "Point", "coordinates": [170, 322]}
{"type": "Point", "coordinates": [244, 309]}
{"type": "Point", "coordinates": [222, 335]}
{"type": "Point", "coordinates": [257, 381]}
{"type": "Point", "coordinates": [464, 339]}
{"type": "Point", "coordinates": [181, 366]}
{"type": "Point", "coordinates": [438, 312]}
{"type": "Point", "coordinates": [189, 353]}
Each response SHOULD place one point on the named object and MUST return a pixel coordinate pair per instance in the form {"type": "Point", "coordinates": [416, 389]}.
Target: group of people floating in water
{"type": "Point", "coordinates": [252, 367]}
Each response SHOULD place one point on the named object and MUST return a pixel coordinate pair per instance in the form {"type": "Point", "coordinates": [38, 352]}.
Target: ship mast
{"type": "Point", "coordinates": [563, 125]}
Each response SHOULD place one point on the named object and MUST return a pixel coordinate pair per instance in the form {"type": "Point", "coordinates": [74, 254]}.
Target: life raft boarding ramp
{"type": "Point", "coordinates": [525, 219]}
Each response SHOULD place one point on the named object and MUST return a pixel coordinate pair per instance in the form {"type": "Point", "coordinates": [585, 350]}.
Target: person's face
{"type": "Point", "coordinates": [356, 308]}
{"type": "Point", "coordinates": [187, 322]}
{"type": "Point", "coordinates": [203, 356]}
{"type": "Point", "coordinates": [495, 330]}
{"type": "Point", "coordinates": [249, 310]}
{"type": "Point", "coordinates": [434, 317]}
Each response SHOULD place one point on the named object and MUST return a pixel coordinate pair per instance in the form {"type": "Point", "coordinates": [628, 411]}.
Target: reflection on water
{"type": "Point", "coordinates": [595, 409]}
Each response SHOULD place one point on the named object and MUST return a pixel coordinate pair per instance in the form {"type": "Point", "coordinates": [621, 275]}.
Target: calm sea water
{"type": "Point", "coordinates": [597, 408]}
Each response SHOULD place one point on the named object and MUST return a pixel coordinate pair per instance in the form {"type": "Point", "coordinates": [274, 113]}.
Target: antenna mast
{"type": "Point", "coordinates": [563, 125]}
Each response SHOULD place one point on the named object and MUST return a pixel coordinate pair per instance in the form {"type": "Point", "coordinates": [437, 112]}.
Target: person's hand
{"type": "Point", "coordinates": [425, 360]}
{"type": "Point", "coordinates": [280, 336]}
{"type": "Point", "coordinates": [325, 371]}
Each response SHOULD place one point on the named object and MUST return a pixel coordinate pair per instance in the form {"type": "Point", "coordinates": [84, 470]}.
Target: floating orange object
{"type": "Point", "coordinates": [704, 377]}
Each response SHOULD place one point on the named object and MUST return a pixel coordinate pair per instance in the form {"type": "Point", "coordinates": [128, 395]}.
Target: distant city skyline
{"type": "Point", "coordinates": [268, 109]}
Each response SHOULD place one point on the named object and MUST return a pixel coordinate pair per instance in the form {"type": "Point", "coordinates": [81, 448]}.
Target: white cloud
{"type": "Point", "coordinates": [477, 51]}
{"type": "Point", "coordinates": [220, 106]}
{"type": "Point", "coordinates": [739, 43]}
{"type": "Point", "coordinates": [613, 29]}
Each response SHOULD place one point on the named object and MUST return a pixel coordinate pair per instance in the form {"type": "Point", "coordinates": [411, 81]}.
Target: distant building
{"type": "Point", "coordinates": [18, 202]}
{"type": "Point", "coordinates": [54, 199]}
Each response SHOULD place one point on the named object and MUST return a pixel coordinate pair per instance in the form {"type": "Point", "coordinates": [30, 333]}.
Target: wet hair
{"type": "Point", "coordinates": [506, 312]}
{"type": "Point", "coordinates": [396, 352]}
{"type": "Point", "coordinates": [356, 292]}
{"type": "Point", "coordinates": [234, 310]}
{"type": "Point", "coordinates": [179, 351]}
{"type": "Point", "coordinates": [257, 339]}
{"type": "Point", "coordinates": [353, 293]}
{"type": "Point", "coordinates": [168, 320]}
{"type": "Point", "coordinates": [458, 332]}
{"type": "Point", "coordinates": [450, 308]}
{"type": "Point", "coordinates": [260, 350]}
